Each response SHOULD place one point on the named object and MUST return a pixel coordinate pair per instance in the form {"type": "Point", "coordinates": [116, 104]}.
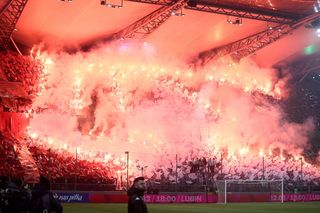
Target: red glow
{"type": "Point", "coordinates": [113, 100]}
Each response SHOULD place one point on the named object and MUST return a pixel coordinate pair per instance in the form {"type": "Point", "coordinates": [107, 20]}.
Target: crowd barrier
{"type": "Point", "coordinates": [296, 197]}
{"type": "Point", "coordinates": [65, 197]}
{"type": "Point", "coordinates": [181, 198]}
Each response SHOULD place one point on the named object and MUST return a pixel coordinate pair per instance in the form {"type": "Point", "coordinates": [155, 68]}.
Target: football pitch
{"type": "Point", "coordinates": [310, 207]}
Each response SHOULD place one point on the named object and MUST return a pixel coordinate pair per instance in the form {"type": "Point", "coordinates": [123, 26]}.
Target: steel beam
{"type": "Point", "coordinates": [146, 25]}
{"type": "Point", "coordinates": [249, 45]}
{"type": "Point", "coordinates": [5, 6]}
{"type": "Point", "coordinates": [8, 21]}
{"type": "Point", "coordinates": [157, 2]}
{"type": "Point", "coordinates": [246, 12]}
{"type": "Point", "coordinates": [241, 11]}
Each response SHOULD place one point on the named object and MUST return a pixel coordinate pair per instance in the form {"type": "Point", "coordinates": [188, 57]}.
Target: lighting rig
{"type": "Point", "coordinates": [110, 5]}
{"type": "Point", "coordinates": [176, 13]}
{"type": "Point", "coordinates": [235, 20]}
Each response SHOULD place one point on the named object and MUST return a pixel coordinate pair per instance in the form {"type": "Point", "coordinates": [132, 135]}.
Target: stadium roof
{"type": "Point", "coordinates": [295, 7]}
{"type": "Point", "coordinates": [83, 22]}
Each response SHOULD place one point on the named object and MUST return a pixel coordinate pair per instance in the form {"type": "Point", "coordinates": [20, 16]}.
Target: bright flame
{"type": "Point", "coordinates": [106, 101]}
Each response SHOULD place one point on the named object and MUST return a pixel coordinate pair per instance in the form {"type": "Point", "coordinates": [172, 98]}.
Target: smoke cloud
{"type": "Point", "coordinates": [129, 97]}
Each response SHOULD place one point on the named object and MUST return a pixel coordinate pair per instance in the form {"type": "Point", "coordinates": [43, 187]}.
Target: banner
{"type": "Point", "coordinates": [295, 197]}
{"type": "Point", "coordinates": [180, 198]}
{"type": "Point", "coordinates": [163, 198]}
{"type": "Point", "coordinates": [71, 197]}
{"type": "Point", "coordinates": [108, 198]}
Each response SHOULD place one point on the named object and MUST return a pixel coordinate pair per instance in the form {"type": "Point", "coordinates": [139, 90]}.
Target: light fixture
{"type": "Point", "coordinates": [315, 24]}
{"type": "Point", "coordinates": [316, 6]}
{"type": "Point", "coordinates": [270, 27]}
{"type": "Point", "coordinates": [180, 13]}
{"type": "Point", "coordinates": [318, 33]}
{"type": "Point", "coordinates": [235, 20]}
{"type": "Point", "coordinates": [120, 5]}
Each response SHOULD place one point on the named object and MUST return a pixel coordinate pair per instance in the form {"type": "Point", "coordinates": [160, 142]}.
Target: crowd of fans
{"type": "Point", "coordinates": [193, 170]}
{"type": "Point", "coordinates": [205, 171]}
{"type": "Point", "coordinates": [10, 164]}
{"type": "Point", "coordinates": [67, 171]}
{"type": "Point", "coordinates": [24, 69]}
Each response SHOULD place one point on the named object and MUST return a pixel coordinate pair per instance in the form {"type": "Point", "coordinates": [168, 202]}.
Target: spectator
{"type": "Point", "coordinates": [136, 203]}
{"type": "Point", "coordinates": [14, 199]}
{"type": "Point", "coordinates": [43, 200]}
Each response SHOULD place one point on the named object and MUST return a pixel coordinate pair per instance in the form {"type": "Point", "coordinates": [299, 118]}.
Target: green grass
{"type": "Point", "coordinates": [312, 207]}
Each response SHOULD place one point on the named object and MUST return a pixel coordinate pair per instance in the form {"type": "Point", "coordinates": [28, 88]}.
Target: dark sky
{"type": "Point", "coordinates": [303, 103]}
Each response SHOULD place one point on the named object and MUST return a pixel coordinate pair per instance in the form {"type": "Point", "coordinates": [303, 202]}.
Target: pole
{"type": "Point", "coordinates": [282, 191]}
{"type": "Point", "coordinates": [121, 184]}
{"type": "Point", "coordinates": [221, 165]}
{"type": "Point", "coordinates": [225, 191]}
{"type": "Point", "coordinates": [127, 153]}
{"type": "Point", "coordinates": [49, 156]}
{"type": "Point", "coordinates": [263, 167]}
{"type": "Point", "coordinates": [301, 169]}
{"type": "Point", "coordinates": [176, 171]}
{"type": "Point", "coordinates": [206, 174]}
{"type": "Point", "coordinates": [76, 173]}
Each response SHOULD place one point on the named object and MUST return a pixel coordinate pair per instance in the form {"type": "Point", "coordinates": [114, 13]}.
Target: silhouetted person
{"type": "Point", "coordinates": [43, 200]}
{"type": "Point", "coordinates": [136, 203]}
{"type": "Point", "coordinates": [3, 187]}
{"type": "Point", "coordinates": [14, 198]}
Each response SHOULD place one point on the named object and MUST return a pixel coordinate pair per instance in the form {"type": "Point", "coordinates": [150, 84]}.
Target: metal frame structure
{"type": "Point", "coordinates": [245, 12]}
{"type": "Point", "coordinates": [8, 21]}
{"type": "Point", "coordinates": [151, 22]}
{"type": "Point", "coordinates": [309, 67]}
{"type": "Point", "coordinates": [157, 2]}
{"type": "Point", "coordinates": [246, 46]}
{"type": "Point", "coordinates": [222, 186]}
{"type": "Point", "coordinates": [148, 24]}
{"type": "Point", "coordinates": [4, 8]}
{"type": "Point", "coordinates": [240, 11]}
{"type": "Point", "coordinates": [249, 45]}
{"type": "Point", "coordinates": [302, 67]}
